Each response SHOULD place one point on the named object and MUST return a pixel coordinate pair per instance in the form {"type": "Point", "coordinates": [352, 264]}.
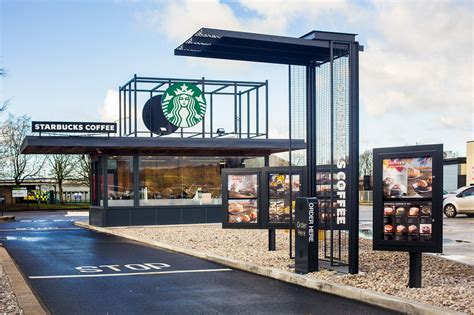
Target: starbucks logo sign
{"type": "Point", "coordinates": [183, 104]}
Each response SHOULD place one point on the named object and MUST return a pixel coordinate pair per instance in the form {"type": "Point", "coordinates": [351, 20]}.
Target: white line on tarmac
{"type": "Point", "coordinates": [128, 274]}
{"type": "Point", "coordinates": [38, 229]}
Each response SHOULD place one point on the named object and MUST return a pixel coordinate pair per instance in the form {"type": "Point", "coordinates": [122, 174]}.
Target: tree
{"type": "Point", "coordinates": [15, 165]}
{"type": "Point", "coordinates": [365, 163]}
{"type": "Point", "coordinates": [3, 106]}
{"type": "Point", "coordinates": [62, 168]}
{"type": "Point", "coordinates": [84, 169]}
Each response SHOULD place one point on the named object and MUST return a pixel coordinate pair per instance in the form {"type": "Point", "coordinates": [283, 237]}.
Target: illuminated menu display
{"type": "Point", "coordinates": [407, 192]}
{"type": "Point", "coordinates": [408, 198]}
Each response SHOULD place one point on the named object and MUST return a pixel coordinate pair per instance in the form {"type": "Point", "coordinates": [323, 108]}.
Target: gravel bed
{"type": "Point", "coordinates": [445, 283]}
{"type": "Point", "coordinates": [8, 302]}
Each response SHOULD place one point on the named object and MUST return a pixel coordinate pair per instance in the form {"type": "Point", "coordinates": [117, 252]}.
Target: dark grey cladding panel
{"type": "Point", "coordinates": [163, 146]}
{"type": "Point", "coordinates": [144, 216]}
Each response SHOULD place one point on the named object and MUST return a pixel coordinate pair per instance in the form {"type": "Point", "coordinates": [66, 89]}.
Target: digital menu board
{"type": "Point", "coordinates": [408, 177]}
{"type": "Point", "coordinates": [279, 198]}
{"type": "Point", "coordinates": [405, 178]}
{"type": "Point", "coordinates": [407, 206]}
{"type": "Point", "coordinates": [242, 195]}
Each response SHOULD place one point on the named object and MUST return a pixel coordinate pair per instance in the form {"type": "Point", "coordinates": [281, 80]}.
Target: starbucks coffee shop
{"type": "Point", "coordinates": [174, 138]}
{"type": "Point", "coordinates": [161, 163]}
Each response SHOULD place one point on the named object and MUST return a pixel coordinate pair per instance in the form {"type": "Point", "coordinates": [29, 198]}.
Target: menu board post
{"type": "Point", "coordinates": [271, 239]}
{"type": "Point", "coordinates": [414, 278]}
{"type": "Point", "coordinates": [407, 206]}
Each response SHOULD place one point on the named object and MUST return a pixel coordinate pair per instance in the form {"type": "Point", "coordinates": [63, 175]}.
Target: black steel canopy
{"type": "Point", "coordinates": [312, 48]}
{"type": "Point", "coordinates": [158, 146]}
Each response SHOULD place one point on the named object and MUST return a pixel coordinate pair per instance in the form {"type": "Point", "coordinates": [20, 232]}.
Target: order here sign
{"type": "Point", "coordinates": [85, 127]}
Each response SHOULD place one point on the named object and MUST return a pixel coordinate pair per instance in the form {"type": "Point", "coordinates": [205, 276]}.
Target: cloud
{"type": "Point", "coordinates": [417, 63]}
{"type": "Point", "coordinates": [109, 108]}
{"type": "Point", "coordinates": [419, 58]}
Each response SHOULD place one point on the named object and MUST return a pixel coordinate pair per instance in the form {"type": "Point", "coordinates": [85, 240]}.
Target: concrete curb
{"type": "Point", "coordinates": [25, 296]}
{"type": "Point", "coordinates": [365, 296]}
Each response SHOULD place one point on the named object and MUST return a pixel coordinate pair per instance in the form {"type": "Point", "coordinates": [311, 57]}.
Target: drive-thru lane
{"type": "Point", "coordinates": [76, 271]}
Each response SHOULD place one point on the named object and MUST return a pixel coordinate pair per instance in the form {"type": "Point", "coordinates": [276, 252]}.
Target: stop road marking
{"type": "Point", "coordinates": [120, 268]}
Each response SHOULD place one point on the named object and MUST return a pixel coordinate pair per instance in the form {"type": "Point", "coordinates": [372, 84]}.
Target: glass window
{"type": "Point", "coordinates": [468, 192]}
{"type": "Point", "coordinates": [97, 187]}
{"type": "Point", "coordinates": [120, 181]}
{"type": "Point", "coordinates": [180, 180]}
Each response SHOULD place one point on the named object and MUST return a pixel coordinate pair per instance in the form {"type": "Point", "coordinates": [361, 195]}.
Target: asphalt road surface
{"type": "Point", "coordinates": [77, 271]}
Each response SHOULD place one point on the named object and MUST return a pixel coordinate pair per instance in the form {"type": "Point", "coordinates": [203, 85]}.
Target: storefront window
{"type": "Point", "coordinates": [120, 181]}
{"type": "Point", "coordinates": [180, 180]}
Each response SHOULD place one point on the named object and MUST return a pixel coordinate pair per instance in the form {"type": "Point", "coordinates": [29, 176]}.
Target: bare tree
{"type": "Point", "coordinates": [366, 163]}
{"type": "Point", "coordinates": [62, 168]}
{"type": "Point", "coordinates": [3, 105]}
{"type": "Point", "coordinates": [83, 169]}
{"type": "Point", "coordinates": [16, 165]}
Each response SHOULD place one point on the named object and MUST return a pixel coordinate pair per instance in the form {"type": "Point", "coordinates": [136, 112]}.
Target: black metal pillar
{"type": "Point", "coordinates": [414, 280]}
{"type": "Point", "coordinates": [271, 239]}
{"type": "Point", "coordinates": [135, 103]}
{"type": "Point", "coordinates": [266, 109]}
{"type": "Point", "coordinates": [204, 118]}
{"type": "Point", "coordinates": [120, 111]}
{"type": "Point", "coordinates": [211, 118]}
{"type": "Point", "coordinates": [353, 198]}
{"type": "Point", "coordinates": [311, 130]}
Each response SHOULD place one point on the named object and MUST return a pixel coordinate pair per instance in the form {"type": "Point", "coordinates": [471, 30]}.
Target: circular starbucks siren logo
{"type": "Point", "coordinates": [183, 104]}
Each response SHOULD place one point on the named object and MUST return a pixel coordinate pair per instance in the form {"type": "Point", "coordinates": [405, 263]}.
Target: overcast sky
{"type": "Point", "coordinates": [65, 59]}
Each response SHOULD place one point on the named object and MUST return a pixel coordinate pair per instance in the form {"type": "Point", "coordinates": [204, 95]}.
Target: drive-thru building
{"type": "Point", "coordinates": [162, 162]}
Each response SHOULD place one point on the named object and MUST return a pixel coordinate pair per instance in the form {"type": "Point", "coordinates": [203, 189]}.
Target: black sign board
{"type": "Point", "coordinates": [408, 196]}
{"type": "Point", "coordinates": [241, 198]}
{"type": "Point", "coordinates": [260, 198]}
{"type": "Point", "coordinates": [407, 207]}
{"type": "Point", "coordinates": [306, 243]}
{"type": "Point", "coordinates": [279, 194]}
{"type": "Point", "coordinates": [154, 119]}
{"type": "Point", "coordinates": [73, 127]}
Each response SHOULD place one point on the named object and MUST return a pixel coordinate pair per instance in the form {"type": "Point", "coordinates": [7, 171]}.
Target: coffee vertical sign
{"type": "Point", "coordinates": [306, 244]}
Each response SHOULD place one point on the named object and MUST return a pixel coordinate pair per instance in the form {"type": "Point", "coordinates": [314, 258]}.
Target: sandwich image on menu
{"type": "Point", "coordinates": [243, 211]}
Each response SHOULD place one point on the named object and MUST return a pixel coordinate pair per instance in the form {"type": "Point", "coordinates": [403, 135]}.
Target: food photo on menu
{"type": "Point", "coordinates": [279, 210]}
{"type": "Point", "coordinates": [408, 177]}
{"type": "Point", "coordinates": [243, 211]}
{"type": "Point", "coordinates": [278, 184]}
{"type": "Point", "coordinates": [242, 186]}
{"type": "Point", "coordinates": [407, 221]}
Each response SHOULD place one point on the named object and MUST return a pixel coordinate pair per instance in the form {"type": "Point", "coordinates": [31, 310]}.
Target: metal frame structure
{"type": "Point", "coordinates": [311, 51]}
{"type": "Point", "coordinates": [238, 90]}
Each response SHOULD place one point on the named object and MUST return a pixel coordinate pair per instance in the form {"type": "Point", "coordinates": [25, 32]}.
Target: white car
{"type": "Point", "coordinates": [458, 202]}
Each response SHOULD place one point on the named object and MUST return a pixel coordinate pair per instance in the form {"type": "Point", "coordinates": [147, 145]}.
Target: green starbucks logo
{"type": "Point", "coordinates": [183, 104]}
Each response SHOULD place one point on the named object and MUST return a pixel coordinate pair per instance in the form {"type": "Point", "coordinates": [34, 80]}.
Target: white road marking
{"type": "Point", "coordinates": [39, 229]}
{"type": "Point", "coordinates": [40, 221]}
{"type": "Point", "coordinates": [129, 274]}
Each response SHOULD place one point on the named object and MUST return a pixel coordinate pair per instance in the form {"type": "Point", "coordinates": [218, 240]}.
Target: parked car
{"type": "Point", "coordinates": [458, 202]}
